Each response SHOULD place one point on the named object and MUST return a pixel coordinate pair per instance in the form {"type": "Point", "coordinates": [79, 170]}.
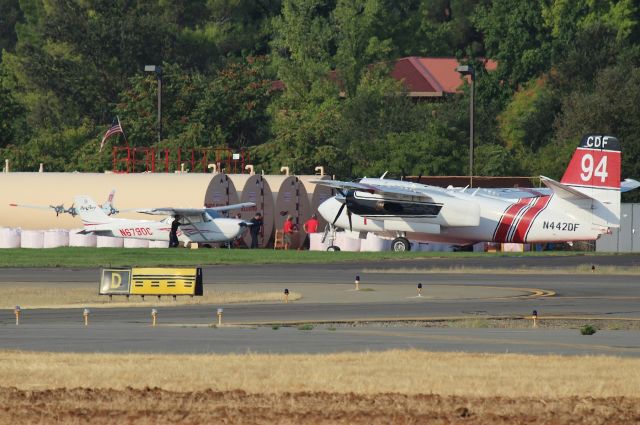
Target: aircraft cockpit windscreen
{"type": "Point", "coordinates": [192, 219]}
{"type": "Point", "coordinates": [213, 213]}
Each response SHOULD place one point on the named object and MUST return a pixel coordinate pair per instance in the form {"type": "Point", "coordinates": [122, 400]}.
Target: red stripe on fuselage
{"type": "Point", "coordinates": [527, 219]}
{"type": "Point", "coordinates": [507, 218]}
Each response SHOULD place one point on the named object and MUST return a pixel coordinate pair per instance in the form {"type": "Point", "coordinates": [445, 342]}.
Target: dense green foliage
{"type": "Point", "coordinates": [566, 67]}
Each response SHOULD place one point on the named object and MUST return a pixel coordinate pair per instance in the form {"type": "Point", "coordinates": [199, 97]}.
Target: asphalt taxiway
{"type": "Point", "coordinates": [388, 293]}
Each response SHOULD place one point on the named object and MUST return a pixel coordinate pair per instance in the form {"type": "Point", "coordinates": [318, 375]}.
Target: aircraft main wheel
{"type": "Point", "coordinates": [400, 245]}
{"type": "Point", "coordinates": [333, 248]}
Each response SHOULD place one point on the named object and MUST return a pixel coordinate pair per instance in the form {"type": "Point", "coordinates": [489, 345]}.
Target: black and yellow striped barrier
{"type": "Point", "coordinates": [152, 281]}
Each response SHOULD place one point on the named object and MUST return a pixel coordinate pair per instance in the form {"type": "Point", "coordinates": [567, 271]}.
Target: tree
{"type": "Point", "coordinates": [514, 34]}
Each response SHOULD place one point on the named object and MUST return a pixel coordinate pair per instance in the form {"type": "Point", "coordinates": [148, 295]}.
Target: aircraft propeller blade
{"type": "Point", "coordinates": [72, 210]}
{"type": "Point", "coordinates": [349, 216]}
{"type": "Point", "coordinates": [339, 212]}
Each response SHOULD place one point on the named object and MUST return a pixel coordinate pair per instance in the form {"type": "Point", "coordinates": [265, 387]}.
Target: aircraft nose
{"type": "Point", "coordinates": [236, 228]}
{"type": "Point", "coordinates": [329, 208]}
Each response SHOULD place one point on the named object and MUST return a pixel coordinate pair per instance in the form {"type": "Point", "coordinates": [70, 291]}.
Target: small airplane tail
{"type": "Point", "coordinates": [594, 171]}
{"type": "Point", "coordinates": [90, 213]}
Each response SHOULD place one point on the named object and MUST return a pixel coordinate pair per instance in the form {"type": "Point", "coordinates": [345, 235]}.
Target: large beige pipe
{"type": "Point", "coordinates": [290, 198]}
{"type": "Point", "coordinates": [221, 192]}
{"type": "Point", "coordinates": [132, 191]}
{"type": "Point", "coordinates": [257, 190]}
{"type": "Point", "coordinates": [317, 195]}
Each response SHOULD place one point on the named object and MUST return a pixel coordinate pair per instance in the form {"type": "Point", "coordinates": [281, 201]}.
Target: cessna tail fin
{"type": "Point", "coordinates": [90, 212]}
{"type": "Point", "coordinates": [594, 171]}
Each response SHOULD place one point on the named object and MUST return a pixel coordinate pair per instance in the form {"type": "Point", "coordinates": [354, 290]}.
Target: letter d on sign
{"type": "Point", "coordinates": [116, 280]}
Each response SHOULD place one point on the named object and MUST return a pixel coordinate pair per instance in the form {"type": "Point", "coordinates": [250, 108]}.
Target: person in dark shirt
{"type": "Point", "coordinates": [173, 234]}
{"type": "Point", "coordinates": [256, 227]}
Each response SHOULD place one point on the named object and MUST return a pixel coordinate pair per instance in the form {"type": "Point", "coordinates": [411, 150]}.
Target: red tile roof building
{"type": "Point", "coordinates": [424, 77]}
{"type": "Point", "coordinates": [431, 77]}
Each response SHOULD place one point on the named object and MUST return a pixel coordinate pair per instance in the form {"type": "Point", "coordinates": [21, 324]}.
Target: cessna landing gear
{"type": "Point", "coordinates": [400, 245]}
{"type": "Point", "coordinates": [333, 248]}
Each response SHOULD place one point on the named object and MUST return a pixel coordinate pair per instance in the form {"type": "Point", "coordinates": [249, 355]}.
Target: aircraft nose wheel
{"type": "Point", "coordinates": [333, 248]}
{"type": "Point", "coordinates": [400, 245]}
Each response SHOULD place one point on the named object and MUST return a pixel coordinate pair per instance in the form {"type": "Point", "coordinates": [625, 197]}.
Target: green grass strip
{"type": "Point", "coordinates": [142, 257]}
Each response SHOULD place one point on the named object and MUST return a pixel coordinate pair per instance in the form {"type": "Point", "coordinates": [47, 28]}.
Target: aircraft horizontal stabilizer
{"type": "Point", "coordinates": [629, 184]}
{"type": "Point", "coordinates": [563, 191]}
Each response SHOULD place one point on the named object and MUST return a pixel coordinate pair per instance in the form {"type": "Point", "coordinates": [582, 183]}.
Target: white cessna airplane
{"type": "Point", "coordinates": [582, 206]}
{"type": "Point", "coordinates": [198, 225]}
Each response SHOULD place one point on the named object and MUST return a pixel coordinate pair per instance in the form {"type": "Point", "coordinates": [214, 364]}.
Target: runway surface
{"type": "Point", "coordinates": [328, 296]}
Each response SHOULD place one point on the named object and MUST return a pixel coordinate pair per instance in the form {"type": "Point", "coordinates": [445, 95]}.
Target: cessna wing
{"type": "Point", "coordinates": [193, 211]}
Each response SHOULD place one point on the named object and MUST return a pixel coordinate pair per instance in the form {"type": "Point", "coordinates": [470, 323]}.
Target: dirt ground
{"type": "Point", "coordinates": [154, 405]}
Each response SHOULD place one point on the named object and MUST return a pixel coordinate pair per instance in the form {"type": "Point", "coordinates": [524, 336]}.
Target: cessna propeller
{"type": "Point", "coordinates": [60, 209]}
{"type": "Point", "coordinates": [343, 198]}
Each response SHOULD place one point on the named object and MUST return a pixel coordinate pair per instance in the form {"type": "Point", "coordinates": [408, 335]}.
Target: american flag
{"type": "Point", "coordinates": [116, 128]}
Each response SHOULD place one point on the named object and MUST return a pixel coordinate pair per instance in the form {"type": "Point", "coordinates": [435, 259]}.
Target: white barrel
{"type": "Point", "coordinates": [290, 198]}
{"type": "Point", "coordinates": [346, 243]}
{"type": "Point", "coordinates": [158, 244]}
{"type": "Point", "coordinates": [32, 239]}
{"type": "Point", "coordinates": [78, 239]}
{"type": "Point", "coordinates": [316, 244]}
{"type": "Point", "coordinates": [109, 242]}
{"type": "Point", "coordinates": [9, 238]}
{"type": "Point", "coordinates": [135, 243]}
{"type": "Point", "coordinates": [255, 188]}
{"type": "Point", "coordinates": [55, 238]}
{"type": "Point", "coordinates": [374, 243]}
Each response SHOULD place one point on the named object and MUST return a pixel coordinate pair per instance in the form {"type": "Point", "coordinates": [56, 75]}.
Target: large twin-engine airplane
{"type": "Point", "coordinates": [198, 225]}
{"type": "Point", "coordinates": [582, 206]}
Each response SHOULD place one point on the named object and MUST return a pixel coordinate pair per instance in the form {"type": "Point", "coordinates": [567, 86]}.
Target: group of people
{"type": "Point", "coordinates": [256, 223]}
{"type": "Point", "coordinates": [289, 228]}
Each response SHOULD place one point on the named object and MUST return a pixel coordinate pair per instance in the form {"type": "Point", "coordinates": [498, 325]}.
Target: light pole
{"type": "Point", "coordinates": [158, 70]}
{"type": "Point", "coordinates": [468, 70]}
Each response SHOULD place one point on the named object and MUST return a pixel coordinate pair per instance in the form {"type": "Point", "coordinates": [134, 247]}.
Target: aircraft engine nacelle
{"type": "Point", "coordinates": [459, 213]}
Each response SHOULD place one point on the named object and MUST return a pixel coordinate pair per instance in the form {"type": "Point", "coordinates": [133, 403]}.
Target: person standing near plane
{"type": "Point", "coordinates": [288, 230]}
{"type": "Point", "coordinates": [310, 226]}
{"type": "Point", "coordinates": [256, 226]}
{"type": "Point", "coordinates": [173, 234]}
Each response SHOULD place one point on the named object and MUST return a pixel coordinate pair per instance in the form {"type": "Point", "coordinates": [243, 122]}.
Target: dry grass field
{"type": "Point", "coordinates": [78, 295]}
{"type": "Point", "coordinates": [404, 387]}
{"type": "Point", "coordinates": [156, 406]}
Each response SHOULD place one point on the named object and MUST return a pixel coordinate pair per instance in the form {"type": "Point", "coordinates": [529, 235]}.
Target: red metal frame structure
{"type": "Point", "coordinates": [135, 160]}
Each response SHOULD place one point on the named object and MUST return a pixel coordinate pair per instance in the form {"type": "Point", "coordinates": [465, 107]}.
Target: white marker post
{"type": "Point", "coordinates": [154, 315]}
{"type": "Point", "coordinates": [85, 314]}
{"type": "Point", "coordinates": [220, 316]}
{"type": "Point", "coordinates": [419, 289]}
{"type": "Point", "coordinates": [534, 316]}
{"type": "Point", "coordinates": [357, 283]}
{"type": "Point", "coordinates": [17, 313]}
